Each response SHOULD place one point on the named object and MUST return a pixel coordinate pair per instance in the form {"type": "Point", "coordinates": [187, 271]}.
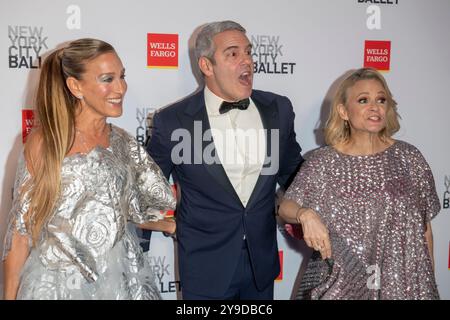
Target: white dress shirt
{"type": "Point", "coordinates": [240, 143]}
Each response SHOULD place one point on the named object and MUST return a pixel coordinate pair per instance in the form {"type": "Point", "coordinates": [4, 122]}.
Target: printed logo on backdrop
{"type": "Point", "coordinates": [162, 50]}
{"type": "Point", "coordinates": [27, 44]}
{"type": "Point", "coordinates": [377, 55]}
{"type": "Point", "coordinates": [162, 271]}
{"type": "Point", "coordinates": [27, 123]}
{"type": "Point", "coordinates": [268, 55]}
{"type": "Point", "coordinates": [144, 118]}
{"type": "Point", "coordinates": [446, 197]}
{"type": "Point", "coordinates": [280, 257]}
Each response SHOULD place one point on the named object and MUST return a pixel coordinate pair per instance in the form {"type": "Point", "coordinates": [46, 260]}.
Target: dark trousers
{"type": "Point", "coordinates": [242, 287]}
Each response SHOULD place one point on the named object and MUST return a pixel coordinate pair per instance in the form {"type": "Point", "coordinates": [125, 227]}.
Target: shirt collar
{"type": "Point", "coordinates": [212, 102]}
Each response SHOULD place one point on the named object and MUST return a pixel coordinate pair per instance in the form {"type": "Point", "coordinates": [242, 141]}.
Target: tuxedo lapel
{"type": "Point", "coordinates": [195, 119]}
{"type": "Point", "coordinates": [270, 119]}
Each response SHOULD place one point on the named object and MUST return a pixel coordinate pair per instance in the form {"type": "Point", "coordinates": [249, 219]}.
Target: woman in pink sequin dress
{"type": "Point", "coordinates": [365, 202]}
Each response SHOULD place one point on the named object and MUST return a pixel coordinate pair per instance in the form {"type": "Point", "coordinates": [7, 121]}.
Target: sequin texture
{"type": "Point", "coordinates": [376, 208]}
{"type": "Point", "coordinates": [89, 248]}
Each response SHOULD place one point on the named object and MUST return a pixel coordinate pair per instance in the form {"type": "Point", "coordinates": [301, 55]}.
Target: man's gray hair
{"type": "Point", "coordinates": [204, 44]}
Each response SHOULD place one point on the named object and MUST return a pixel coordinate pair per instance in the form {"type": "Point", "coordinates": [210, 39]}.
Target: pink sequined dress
{"type": "Point", "coordinates": [376, 209]}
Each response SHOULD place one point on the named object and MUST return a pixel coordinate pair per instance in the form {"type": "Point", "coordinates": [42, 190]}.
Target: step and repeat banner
{"type": "Point", "coordinates": [301, 49]}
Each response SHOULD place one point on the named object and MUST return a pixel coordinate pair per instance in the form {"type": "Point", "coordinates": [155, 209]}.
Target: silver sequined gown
{"type": "Point", "coordinates": [376, 208]}
{"type": "Point", "coordinates": [89, 249]}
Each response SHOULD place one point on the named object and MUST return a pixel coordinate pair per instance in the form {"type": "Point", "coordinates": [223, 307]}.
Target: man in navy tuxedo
{"type": "Point", "coordinates": [227, 147]}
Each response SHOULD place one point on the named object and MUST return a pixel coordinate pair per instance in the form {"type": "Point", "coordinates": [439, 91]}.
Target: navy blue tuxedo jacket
{"type": "Point", "coordinates": [211, 220]}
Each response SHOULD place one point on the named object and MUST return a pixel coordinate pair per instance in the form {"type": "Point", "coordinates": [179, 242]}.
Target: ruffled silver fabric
{"type": "Point", "coordinates": [89, 249]}
{"type": "Point", "coordinates": [376, 209]}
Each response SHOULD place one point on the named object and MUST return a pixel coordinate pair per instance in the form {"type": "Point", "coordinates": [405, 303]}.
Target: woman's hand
{"type": "Point", "coordinates": [170, 226]}
{"type": "Point", "coordinates": [315, 232]}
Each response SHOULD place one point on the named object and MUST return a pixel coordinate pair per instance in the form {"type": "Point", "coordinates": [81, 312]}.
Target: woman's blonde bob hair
{"type": "Point", "coordinates": [336, 130]}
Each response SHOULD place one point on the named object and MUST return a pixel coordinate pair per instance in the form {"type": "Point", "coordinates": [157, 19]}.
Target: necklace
{"type": "Point", "coordinates": [101, 140]}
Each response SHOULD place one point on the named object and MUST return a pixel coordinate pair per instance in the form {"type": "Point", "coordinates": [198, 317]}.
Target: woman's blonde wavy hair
{"type": "Point", "coordinates": [55, 111]}
{"type": "Point", "coordinates": [336, 131]}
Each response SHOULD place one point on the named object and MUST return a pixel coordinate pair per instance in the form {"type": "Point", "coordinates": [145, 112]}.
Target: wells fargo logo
{"type": "Point", "coordinates": [27, 123]}
{"type": "Point", "coordinates": [162, 50]}
{"type": "Point", "coordinates": [377, 55]}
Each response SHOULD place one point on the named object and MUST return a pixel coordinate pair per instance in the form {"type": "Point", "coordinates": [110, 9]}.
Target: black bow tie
{"type": "Point", "coordinates": [227, 106]}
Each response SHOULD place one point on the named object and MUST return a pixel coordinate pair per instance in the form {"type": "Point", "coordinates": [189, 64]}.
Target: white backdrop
{"type": "Point", "coordinates": [308, 45]}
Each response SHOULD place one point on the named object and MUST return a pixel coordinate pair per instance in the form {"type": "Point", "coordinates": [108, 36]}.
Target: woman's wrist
{"type": "Point", "coordinates": [298, 214]}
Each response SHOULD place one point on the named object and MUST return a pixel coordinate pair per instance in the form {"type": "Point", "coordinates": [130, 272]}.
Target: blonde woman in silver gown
{"type": "Point", "coordinates": [80, 186]}
{"type": "Point", "coordinates": [365, 203]}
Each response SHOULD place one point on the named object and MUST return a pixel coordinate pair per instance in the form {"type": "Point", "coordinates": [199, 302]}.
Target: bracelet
{"type": "Point", "coordinates": [297, 215]}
